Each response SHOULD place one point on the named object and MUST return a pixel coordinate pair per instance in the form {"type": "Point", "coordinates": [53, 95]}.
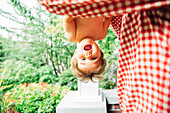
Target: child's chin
{"type": "Point", "coordinates": [87, 41]}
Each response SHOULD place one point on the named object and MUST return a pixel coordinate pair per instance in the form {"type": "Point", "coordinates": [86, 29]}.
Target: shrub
{"type": "Point", "coordinates": [110, 73]}
{"type": "Point", "coordinates": [34, 97]}
{"type": "Point", "coordinates": [20, 72]}
{"type": "Point", "coordinates": [46, 75]}
{"type": "Point", "coordinates": [109, 82]}
{"type": "Point", "coordinates": [109, 46]}
{"type": "Point", "coordinates": [68, 79]}
{"type": "Point", "coordinates": [2, 88]}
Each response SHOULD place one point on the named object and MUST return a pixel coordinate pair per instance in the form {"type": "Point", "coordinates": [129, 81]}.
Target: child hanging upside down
{"type": "Point", "coordinates": [87, 62]}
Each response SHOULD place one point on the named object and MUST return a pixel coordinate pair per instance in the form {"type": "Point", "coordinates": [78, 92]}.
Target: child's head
{"type": "Point", "coordinates": [88, 62]}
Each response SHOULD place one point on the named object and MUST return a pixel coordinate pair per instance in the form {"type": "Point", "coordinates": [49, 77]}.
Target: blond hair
{"type": "Point", "coordinates": [86, 76]}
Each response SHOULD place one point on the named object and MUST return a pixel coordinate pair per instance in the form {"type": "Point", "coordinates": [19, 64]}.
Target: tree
{"type": "Point", "coordinates": [43, 34]}
{"type": "Point", "coordinates": [41, 41]}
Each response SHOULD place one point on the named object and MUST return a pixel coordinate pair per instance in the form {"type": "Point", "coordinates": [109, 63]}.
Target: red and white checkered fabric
{"type": "Point", "coordinates": [143, 28]}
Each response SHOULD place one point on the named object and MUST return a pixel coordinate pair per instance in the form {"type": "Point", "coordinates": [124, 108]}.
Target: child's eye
{"type": "Point", "coordinates": [83, 59]}
{"type": "Point", "coordinates": [93, 58]}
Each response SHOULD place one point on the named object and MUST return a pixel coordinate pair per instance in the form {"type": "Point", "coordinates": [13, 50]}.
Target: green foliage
{"type": "Point", "coordinates": [2, 53]}
{"type": "Point", "coordinates": [109, 46]}
{"type": "Point", "coordinates": [109, 81]}
{"type": "Point", "coordinates": [23, 51]}
{"type": "Point", "coordinates": [20, 72]}
{"type": "Point", "coordinates": [42, 52]}
{"type": "Point", "coordinates": [5, 48]}
{"type": "Point", "coordinates": [2, 88]}
{"type": "Point", "coordinates": [42, 39]}
{"type": "Point", "coordinates": [35, 97]}
{"type": "Point", "coordinates": [68, 79]}
{"type": "Point", "coordinates": [46, 75]}
{"type": "Point", "coordinates": [110, 73]}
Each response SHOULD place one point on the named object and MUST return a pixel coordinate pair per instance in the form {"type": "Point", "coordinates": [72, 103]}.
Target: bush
{"type": "Point", "coordinates": [109, 82]}
{"type": "Point", "coordinates": [20, 72]}
{"type": "Point", "coordinates": [68, 79]}
{"type": "Point", "coordinates": [110, 73]}
{"type": "Point", "coordinates": [46, 75]}
{"type": "Point", "coordinates": [35, 97]}
{"type": "Point", "coordinates": [2, 88]}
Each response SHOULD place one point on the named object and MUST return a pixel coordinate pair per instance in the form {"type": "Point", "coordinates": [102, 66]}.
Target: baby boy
{"type": "Point", "coordinates": [87, 62]}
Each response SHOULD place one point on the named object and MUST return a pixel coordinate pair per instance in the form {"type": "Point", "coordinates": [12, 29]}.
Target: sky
{"type": "Point", "coordinates": [8, 8]}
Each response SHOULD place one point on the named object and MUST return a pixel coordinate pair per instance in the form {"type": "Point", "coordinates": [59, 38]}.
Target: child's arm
{"type": "Point", "coordinates": [70, 28]}
{"type": "Point", "coordinates": [106, 24]}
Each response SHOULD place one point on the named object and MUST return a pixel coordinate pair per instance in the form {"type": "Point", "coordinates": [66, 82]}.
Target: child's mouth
{"type": "Point", "coordinates": [87, 47]}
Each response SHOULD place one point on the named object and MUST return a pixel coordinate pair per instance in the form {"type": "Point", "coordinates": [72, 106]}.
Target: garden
{"type": "Point", "coordinates": [35, 59]}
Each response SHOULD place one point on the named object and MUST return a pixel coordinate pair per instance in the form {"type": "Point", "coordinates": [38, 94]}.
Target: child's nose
{"type": "Point", "coordinates": [88, 53]}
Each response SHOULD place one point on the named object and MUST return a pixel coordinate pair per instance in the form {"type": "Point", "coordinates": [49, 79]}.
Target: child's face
{"type": "Point", "coordinates": [88, 55]}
